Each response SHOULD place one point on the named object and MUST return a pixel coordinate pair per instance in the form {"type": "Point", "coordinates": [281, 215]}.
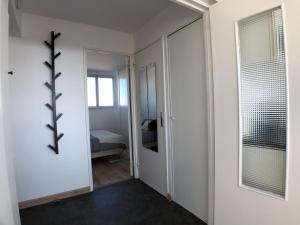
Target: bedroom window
{"type": "Point", "coordinates": [105, 92]}
{"type": "Point", "coordinates": [100, 91]}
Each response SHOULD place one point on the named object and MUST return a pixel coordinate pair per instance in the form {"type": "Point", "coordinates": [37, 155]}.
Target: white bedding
{"type": "Point", "coordinates": [105, 136]}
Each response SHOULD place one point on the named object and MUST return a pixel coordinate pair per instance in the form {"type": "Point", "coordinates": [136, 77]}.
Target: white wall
{"type": "Point", "coordinates": [167, 21]}
{"type": "Point", "coordinates": [105, 61]}
{"type": "Point", "coordinates": [39, 172]}
{"type": "Point", "coordinates": [9, 214]}
{"type": "Point", "coordinates": [105, 119]}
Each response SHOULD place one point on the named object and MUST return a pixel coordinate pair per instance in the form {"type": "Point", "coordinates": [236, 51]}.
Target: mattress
{"type": "Point", "coordinates": [105, 136]}
{"type": "Point", "coordinates": [102, 140]}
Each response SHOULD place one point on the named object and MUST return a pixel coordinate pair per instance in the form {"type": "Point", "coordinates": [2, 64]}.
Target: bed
{"type": "Point", "coordinates": [105, 143]}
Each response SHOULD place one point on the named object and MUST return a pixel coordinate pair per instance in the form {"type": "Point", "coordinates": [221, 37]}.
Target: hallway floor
{"type": "Point", "coordinates": [127, 203]}
{"type": "Point", "coordinates": [107, 173]}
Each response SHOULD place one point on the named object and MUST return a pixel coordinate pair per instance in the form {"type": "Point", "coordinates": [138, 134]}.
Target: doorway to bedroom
{"type": "Point", "coordinates": [108, 101]}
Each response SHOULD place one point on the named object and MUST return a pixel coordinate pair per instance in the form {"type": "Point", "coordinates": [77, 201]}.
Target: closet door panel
{"type": "Point", "coordinates": [189, 118]}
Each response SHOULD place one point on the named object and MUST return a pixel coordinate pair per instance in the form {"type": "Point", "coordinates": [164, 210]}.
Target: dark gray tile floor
{"type": "Point", "coordinates": [127, 203]}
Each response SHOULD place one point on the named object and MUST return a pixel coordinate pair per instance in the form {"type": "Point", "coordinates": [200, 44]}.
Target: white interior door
{"type": "Point", "coordinates": [9, 210]}
{"type": "Point", "coordinates": [189, 118]}
{"type": "Point", "coordinates": [152, 164]}
{"type": "Point", "coordinates": [235, 204]}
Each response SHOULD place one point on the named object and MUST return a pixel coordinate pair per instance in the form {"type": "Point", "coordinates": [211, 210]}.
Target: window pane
{"type": "Point", "coordinates": [123, 92]}
{"type": "Point", "coordinates": [91, 90]}
{"type": "Point", "coordinates": [105, 92]}
{"type": "Point", "coordinates": [263, 105]}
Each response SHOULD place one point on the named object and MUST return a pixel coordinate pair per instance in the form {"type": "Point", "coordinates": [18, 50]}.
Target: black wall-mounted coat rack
{"type": "Point", "coordinates": [54, 96]}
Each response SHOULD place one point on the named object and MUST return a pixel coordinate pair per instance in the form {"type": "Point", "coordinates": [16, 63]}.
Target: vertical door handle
{"type": "Point", "coordinates": [161, 120]}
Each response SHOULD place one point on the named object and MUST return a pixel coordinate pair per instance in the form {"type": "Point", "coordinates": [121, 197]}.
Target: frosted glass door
{"type": "Point", "coordinates": [255, 53]}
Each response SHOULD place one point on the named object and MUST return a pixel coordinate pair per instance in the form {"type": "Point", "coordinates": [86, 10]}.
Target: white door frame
{"type": "Point", "coordinates": [203, 8]}
{"type": "Point", "coordinates": [210, 119]}
{"type": "Point", "coordinates": [131, 116]}
{"type": "Point", "coordinates": [134, 121]}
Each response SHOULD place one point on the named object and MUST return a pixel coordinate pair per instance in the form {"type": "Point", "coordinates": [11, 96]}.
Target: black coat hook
{"type": "Point", "coordinates": [54, 97]}
{"type": "Point", "coordinates": [11, 73]}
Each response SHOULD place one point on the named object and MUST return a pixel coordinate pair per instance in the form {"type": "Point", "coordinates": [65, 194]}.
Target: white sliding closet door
{"type": "Point", "coordinates": [189, 118]}
{"type": "Point", "coordinates": [152, 164]}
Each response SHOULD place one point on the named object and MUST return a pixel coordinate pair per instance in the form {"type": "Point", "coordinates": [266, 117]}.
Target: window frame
{"type": "Point", "coordinates": [97, 75]}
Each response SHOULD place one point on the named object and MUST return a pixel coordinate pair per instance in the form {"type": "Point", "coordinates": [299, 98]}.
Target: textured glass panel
{"type": "Point", "coordinates": [263, 104]}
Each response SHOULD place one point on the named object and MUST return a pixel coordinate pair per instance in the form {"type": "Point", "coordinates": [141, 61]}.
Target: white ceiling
{"type": "Point", "coordinates": [122, 15]}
